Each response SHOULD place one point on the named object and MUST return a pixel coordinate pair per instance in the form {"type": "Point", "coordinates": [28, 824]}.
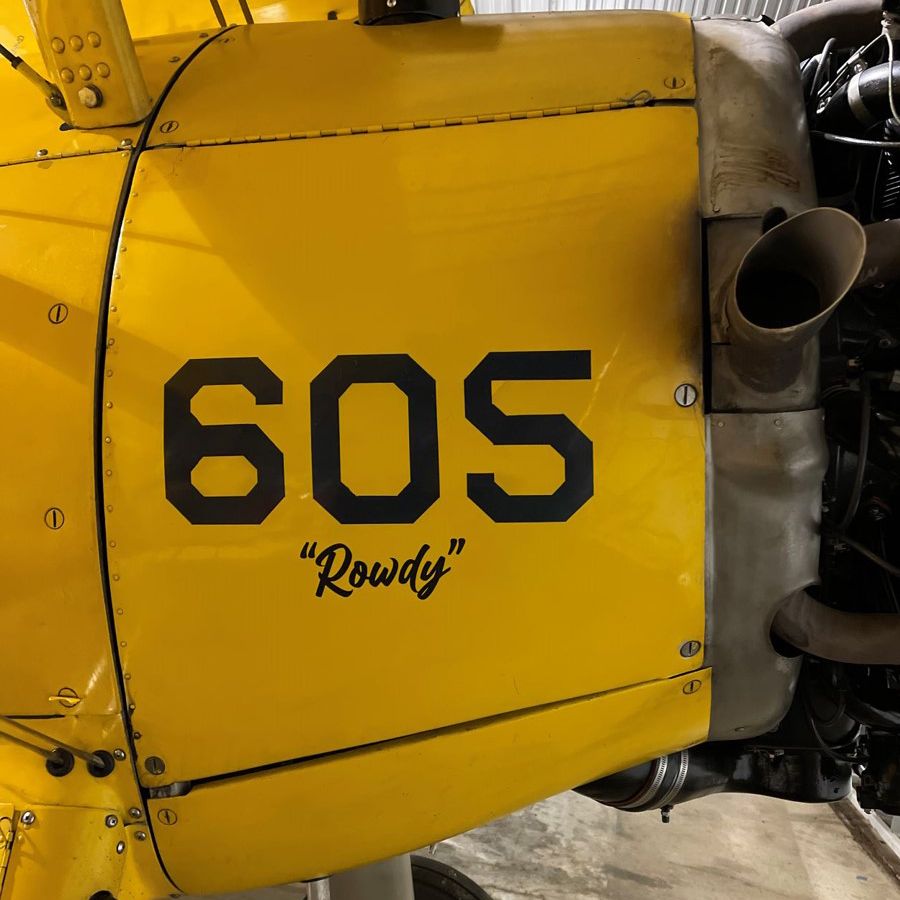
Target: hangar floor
{"type": "Point", "coordinates": [734, 847]}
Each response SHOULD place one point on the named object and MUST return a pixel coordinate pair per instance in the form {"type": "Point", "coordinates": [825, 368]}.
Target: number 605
{"type": "Point", "coordinates": [187, 440]}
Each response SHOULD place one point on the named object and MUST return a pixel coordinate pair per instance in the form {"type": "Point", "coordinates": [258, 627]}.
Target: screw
{"type": "Point", "coordinates": [167, 816]}
{"type": "Point", "coordinates": [154, 765]}
{"type": "Point", "coordinates": [58, 313]}
{"type": "Point", "coordinates": [140, 836]}
{"type": "Point", "coordinates": [689, 649]}
{"type": "Point", "coordinates": [119, 754]}
{"type": "Point", "coordinates": [28, 817]}
{"type": "Point", "coordinates": [54, 518]}
{"type": "Point", "coordinates": [135, 812]}
{"type": "Point", "coordinates": [120, 847]}
{"type": "Point", "coordinates": [692, 687]}
{"type": "Point", "coordinates": [112, 821]}
{"type": "Point", "coordinates": [685, 395]}
{"type": "Point", "coordinates": [673, 82]}
{"type": "Point", "coordinates": [169, 126]}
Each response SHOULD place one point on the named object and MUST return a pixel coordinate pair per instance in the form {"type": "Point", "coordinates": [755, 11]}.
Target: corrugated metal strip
{"type": "Point", "coordinates": [775, 9]}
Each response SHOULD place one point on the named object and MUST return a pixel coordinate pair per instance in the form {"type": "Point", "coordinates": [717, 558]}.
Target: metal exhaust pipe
{"type": "Point", "coordinates": [787, 285]}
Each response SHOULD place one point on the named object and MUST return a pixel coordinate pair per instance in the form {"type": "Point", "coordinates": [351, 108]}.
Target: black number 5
{"type": "Point", "coordinates": [186, 441]}
{"type": "Point", "coordinates": [556, 431]}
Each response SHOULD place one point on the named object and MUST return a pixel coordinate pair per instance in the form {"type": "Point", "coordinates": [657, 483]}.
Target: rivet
{"type": "Point", "coordinates": [103, 70]}
{"type": "Point", "coordinates": [132, 707]}
{"type": "Point", "coordinates": [689, 649]}
{"type": "Point", "coordinates": [112, 821]}
{"type": "Point", "coordinates": [28, 817]}
{"type": "Point", "coordinates": [720, 424]}
{"type": "Point", "coordinates": [109, 404]}
{"type": "Point", "coordinates": [58, 45]}
{"type": "Point", "coordinates": [109, 508]}
{"type": "Point", "coordinates": [692, 687]}
{"type": "Point", "coordinates": [120, 847]}
{"type": "Point", "coordinates": [137, 735]}
{"type": "Point", "coordinates": [41, 153]}
{"type": "Point", "coordinates": [110, 342]}
{"type": "Point", "coordinates": [120, 611]}
{"type": "Point", "coordinates": [108, 473]}
{"type": "Point", "coordinates": [93, 38]}
{"type": "Point", "coordinates": [123, 643]}
{"type": "Point", "coordinates": [67, 75]}
{"type": "Point", "coordinates": [85, 73]}
{"type": "Point", "coordinates": [204, 34]}
{"type": "Point", "coordinates": [174, 59]}
{"type": "Point", "coordinates": [128, 221]}
{"type": "Point", "coordinates": [112, 543]}
{"type": "Point", "coordinates": [54, 518]}
{"type": "Point", "coordinates": [135, 812]}
{"type": "Point", "coordinates": [685, 395]}
{"type": "Point", "coordinates": [140, 835]}
{"type": "Point", "coordinates": [76, 43]}
{"type": "Point", "coordinates": [119, 754]}
{"type": "Point", "coordinates": [116, 577]}
{"type": "Point", "coordinates": [125, 142]}
{"type": "Point", "coordinates": [109, 373]}
{"type": "Point", "coordinates": [107, 440]}
{"type": "Point", "coordinates": [778, 423]}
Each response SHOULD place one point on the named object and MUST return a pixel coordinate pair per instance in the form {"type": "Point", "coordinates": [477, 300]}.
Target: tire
{"type": "Point", "coordinates": [435, 880]}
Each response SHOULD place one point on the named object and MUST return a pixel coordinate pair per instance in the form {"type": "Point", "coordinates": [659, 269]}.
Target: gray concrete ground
{"type": "Point", "coordinates": [719, 848]}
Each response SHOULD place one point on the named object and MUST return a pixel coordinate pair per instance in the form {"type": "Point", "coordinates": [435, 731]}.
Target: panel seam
{"type": "Point", "coordinates": [99, 372]}
{"type": "Point", "coordinates": [641, 99]}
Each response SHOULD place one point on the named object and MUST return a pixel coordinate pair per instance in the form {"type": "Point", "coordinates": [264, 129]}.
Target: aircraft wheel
{"type": "Point", "coordinates": [435, 880]}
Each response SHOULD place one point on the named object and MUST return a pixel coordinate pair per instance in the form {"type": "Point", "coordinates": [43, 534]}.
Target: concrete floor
{"type": "Point", "coordinates": [719, 848]}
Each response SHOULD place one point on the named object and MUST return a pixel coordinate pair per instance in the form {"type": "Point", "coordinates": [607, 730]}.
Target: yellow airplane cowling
{"type": "Point", "coordinates": [360, 428]}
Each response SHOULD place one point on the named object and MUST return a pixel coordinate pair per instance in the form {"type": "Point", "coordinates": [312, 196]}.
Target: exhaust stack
{"type": "Point", "coordinates": [787, 285]}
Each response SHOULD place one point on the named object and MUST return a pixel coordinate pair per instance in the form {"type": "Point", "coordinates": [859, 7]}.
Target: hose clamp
{"type": "Point", "coordinates": [856, 104]}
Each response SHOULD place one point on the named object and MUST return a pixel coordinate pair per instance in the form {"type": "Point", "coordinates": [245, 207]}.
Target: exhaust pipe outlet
{"type": "Point", "coordinates": [786, 287]}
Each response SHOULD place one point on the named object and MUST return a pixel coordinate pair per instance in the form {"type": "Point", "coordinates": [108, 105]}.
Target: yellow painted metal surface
{"type": "Point", "coordinates": [66, 853]}
{"type": "Point", "coordinates": [546, 652]}
{"type": "Point", "coordinates": [513, 236]}
{"type": "Point", "coordinates": [374, 78]}
{"type": "Point", "coordinates": [405, 795]}
{"type": "Point", "coordinates": [55, 219]}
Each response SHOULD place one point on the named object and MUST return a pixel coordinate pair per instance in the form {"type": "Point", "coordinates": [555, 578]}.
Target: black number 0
{"type": "Point", "coordinates": [325, 425]}
{"type": "Point", "coordinates": [186, 441]}
{"type": "Point", "coordinates": [557, 431]}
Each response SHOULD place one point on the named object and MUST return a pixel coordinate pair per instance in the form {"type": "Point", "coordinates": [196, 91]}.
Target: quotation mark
{"type": "Point", "coordinates": [456, 546]}
{"type": "Point", "coordinates": [309, 550]}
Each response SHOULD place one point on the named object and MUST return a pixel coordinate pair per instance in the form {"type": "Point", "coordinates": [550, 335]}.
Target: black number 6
{"type": "Point", "coordinates": [186, 441]}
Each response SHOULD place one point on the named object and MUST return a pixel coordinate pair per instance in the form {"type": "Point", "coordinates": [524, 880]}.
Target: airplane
{"type": "Point", "coordinates": [412, 414]}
